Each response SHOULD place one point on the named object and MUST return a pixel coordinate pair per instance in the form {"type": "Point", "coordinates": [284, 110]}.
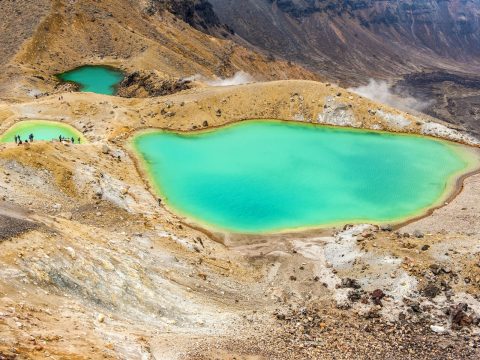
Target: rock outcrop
{"type": "Point", "coordinates": [197, 13]}
{"type": "Point", "coordinates": [150, 83]}
{"type": "Point", "coordinates": [345, 39]}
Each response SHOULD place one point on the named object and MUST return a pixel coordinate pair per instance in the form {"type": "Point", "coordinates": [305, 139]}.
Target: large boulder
{"type": "Point", "coordinates": [150, 83]}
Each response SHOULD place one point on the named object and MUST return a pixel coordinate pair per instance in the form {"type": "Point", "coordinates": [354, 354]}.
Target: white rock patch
{"type": "Point", "coordinates": [337, 114]}
{"type": "Point", "coordinates": [439, 130]}
{"type": "Point", "coordinates": [394, 120]}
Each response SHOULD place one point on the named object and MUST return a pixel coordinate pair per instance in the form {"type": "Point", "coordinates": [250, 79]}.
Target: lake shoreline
{"type": "Point", "coordinates": [20, 126]}
{"type": "Point", "coordinates": [451, 191]}
{"type": "Point", "coordinates": [69, 77]}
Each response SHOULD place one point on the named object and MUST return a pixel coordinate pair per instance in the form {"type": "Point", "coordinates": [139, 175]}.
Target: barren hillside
{"type": "Point", "coordinates": [94, 265]}
{"type": "Point", "coordinates": [353, 39]}
{"type": "Point", "coordinates": [437, 43]}
{"type": "Point", "coordinates": [127, 34]}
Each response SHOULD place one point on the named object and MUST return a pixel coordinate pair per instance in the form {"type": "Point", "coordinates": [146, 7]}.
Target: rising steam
{"type": "Point", "coordinates": [380, 91]}
{"type": "Point", "coordinates": [239, 78]}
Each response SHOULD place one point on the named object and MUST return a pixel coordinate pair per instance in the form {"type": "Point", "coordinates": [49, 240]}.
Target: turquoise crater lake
{"type": "Point", "coordinates": [96, 79]}
{"type": "Point", "coordinates": [268, 176]}
{"type": "Point", "coordinates": [42, 130]}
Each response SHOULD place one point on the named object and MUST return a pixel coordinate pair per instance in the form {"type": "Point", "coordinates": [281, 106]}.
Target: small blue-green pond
{"type": "Point", "coordinates": [42, 130]}
{"type": "Point", "coordinates": [96, 79]}
{"type": "Point", "coordinates": [266, 176]}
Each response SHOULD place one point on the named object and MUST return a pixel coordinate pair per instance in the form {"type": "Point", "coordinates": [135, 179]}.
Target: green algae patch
{"type": "Point", "coordinates": [272, 176]}
{"type": "Point", "coordinates": [94, 78]}
{"type": "Point", "coordinates": [42, 130]}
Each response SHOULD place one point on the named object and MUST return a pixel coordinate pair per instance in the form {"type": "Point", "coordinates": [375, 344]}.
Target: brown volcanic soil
{"type": "Point", "coordinates": [92, 266]}
{"type": "Point", "coordinates": [107, 272]}
{"type": "Point", "coordinates": [124, 34]}
{"type": "Point", "coordinates": [20, 20]}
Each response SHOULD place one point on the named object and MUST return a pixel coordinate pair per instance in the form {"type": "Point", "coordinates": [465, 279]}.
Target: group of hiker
{"type": "Point", "coordinates": [18, 139]}
{"type": "Point", "coordinates": [64, 139]}
{"type": "Point", "coordinates": [61, 138]}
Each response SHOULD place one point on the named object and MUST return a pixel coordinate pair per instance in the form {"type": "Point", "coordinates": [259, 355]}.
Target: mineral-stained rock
{"type": "Point", "coordinates": [377, 296]}
{"type": "Point", "coordinates": [386, 227]}
{"type": "Point", "coordinates": [350, 283]}
{"type": "Point", "coordinates": [355, 295]}
{"type": "Point", "coordinates": [459, 317]}
{"type": "Point", "coordinates": [438, 329]}
{"type": "Point", "coordinates": [66, 87]}
{"type": "Point", "coordinates": [71, 252]}
{"type": "Point", "coordinates": [431, 290]}
{"type": "Point", "coordinates": [418, 234]}
{"type": "Point", "coordinates": [149, 84]}
{"type": "Point", "coordinates": [436, 269]}
{"type": "Point", "coordinates": [10, 227]}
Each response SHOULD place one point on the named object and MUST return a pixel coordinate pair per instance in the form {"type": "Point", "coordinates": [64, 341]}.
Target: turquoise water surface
{"type": "Point", "coordinates": [97, 79]}
{"type": "Point", "coordinates": [264, 176]}
{"type": "Point", "coordinates": [41, 130]}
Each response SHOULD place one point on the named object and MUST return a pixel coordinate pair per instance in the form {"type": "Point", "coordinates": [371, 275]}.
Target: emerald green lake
{"type": "Point", "coordinates": [41, 130]}
{"type": "Point", "coordinates": [266, 176]}
{"type": "Point", "coordinates": [96, 79]}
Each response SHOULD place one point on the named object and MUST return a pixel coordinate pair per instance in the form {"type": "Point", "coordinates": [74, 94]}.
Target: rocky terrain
{"type": "Point", "coordinates": [150, 84]}
{"type": "Point", "coordinates": [350, 42]}
{"type": "Point", "coordinates": [124, 34]}
{"type": "Point", "coordinates": [456, 97]}
{"type": "Point", "coordinates": [197, 13]}
{"type": "Point", "coordinates": [353, 39]}
{"type": "Point", "coordinates": [93, 266]}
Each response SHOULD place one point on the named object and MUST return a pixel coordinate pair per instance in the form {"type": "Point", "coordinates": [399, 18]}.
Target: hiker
{"type": "Point", "coordinates": [73, 140]}
{"type": "Point", "coordinates": [30, 137]}
{"type": "Point", "coordinates": [16, 140]}
{"type": "Point", "coordinates": [60, 138]}
{"type": "Point", "coordinates": [78, 140]}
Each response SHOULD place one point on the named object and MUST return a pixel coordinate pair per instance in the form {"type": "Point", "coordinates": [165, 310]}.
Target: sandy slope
{"type": "Point", "coordinates": [120, 33]}
{"type": "Point", "coordinates": [92, 266]}
{"type": "Point", "coordinates": [104, 271]}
